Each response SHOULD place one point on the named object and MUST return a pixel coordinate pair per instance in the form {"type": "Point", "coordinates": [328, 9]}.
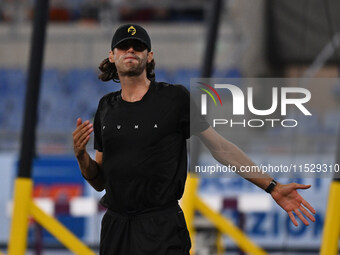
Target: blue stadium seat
{"type": "Point", "coordinates": [13, 84]}
{"type": "Point", "coordinates": [227, 73]}
{"type": "Point", "coordinates": [162, 76]}
{"type": "Point", "coordinates": [183, 76]}
{"type": "Point", "coordinates": [66, 95]}
{"type": "Point", "coordinates": [331, 123]}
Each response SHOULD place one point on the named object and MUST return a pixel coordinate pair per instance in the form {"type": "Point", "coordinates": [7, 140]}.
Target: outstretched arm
{"type": "Point", "coordinates": [285, 195]}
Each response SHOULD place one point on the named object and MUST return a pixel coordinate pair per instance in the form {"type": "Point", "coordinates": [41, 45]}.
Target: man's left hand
{"type": "Point", "coordinates": [286, 196]}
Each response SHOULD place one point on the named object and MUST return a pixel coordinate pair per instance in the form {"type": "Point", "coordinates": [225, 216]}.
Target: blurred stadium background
{"type": "Point", "coordinates": [256, 39]}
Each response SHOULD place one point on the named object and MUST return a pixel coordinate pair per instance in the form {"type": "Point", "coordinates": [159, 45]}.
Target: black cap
{"type": "Point", "coordinates": [130, 31]}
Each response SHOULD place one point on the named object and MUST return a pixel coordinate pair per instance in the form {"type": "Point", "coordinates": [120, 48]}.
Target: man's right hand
{"type": "Point", "coordinates": [81, 136]}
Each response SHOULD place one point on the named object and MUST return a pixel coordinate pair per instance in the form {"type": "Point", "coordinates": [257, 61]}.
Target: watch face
{"type": "Point", "coordinates": [271, 186]}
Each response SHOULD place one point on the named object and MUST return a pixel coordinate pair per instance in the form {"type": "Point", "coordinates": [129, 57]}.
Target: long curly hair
{"type": "Point", "coordinates": [109, 71]}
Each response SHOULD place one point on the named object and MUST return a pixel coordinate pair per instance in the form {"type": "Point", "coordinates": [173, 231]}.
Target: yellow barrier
{"type": "Point", "coordinates": [24, 207]}
{"type": "Point", "coordinates": [59, 231]}
{"type": "Point", "coordinates": [21, 212]}
{"type": "Point", "coordinates": [331, 232]}
{"type": "Point", "coordinates": [191, 201]}
{"type": "Point", "coordinates": [219, 244]}
{"type": "Point", "coordinates": [228, 228]}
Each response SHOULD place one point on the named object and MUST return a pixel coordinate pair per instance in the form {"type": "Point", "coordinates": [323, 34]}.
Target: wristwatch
{"type": "Point", "coordinates": [271, 186]}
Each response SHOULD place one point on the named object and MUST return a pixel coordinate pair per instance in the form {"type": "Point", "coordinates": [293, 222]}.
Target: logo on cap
{"type": "Point", "coordinates": [132, 30]}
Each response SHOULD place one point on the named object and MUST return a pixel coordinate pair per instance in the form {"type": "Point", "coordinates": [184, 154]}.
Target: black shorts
{"type": "Point", "coordinates": [157, 232]}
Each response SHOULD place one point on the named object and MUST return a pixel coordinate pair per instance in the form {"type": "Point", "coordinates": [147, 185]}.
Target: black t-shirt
{"type": "Point", "coordinates": [144, 146]}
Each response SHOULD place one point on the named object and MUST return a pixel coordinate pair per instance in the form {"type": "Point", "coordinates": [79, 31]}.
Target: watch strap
{"type": "Point", "coordinates": [271, 186]}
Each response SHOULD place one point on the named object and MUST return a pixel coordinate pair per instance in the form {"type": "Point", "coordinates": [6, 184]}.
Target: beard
{"type": "Point", "coordinates": [135, 70]}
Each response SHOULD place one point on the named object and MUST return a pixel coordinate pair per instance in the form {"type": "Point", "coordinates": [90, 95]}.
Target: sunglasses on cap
{"type": "Point", "coordinates": [135, 44]}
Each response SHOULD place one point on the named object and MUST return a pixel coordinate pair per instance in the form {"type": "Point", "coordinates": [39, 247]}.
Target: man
{"type": "Point", "coordinates": [140, 137]}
